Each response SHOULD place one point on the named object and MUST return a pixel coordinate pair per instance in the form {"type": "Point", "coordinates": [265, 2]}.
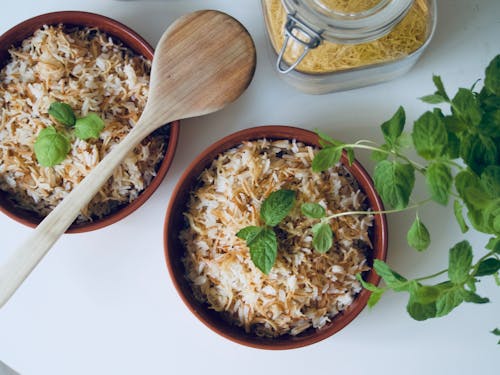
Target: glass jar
{"type": "Point", "coordinates": [322, 46]}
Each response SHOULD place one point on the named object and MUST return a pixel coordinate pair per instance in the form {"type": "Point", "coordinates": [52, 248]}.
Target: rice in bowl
{"type": "Point", "coordinates": [304, 288]}
{"type": "Point", "coordinates": [92, 73]}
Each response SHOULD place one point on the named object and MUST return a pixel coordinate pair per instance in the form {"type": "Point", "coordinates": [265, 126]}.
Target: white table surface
{"type": "Point", "coordinates": [102, 302]}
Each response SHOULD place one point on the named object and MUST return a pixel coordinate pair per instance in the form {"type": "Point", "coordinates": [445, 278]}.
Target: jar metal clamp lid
{"type": "Point", "coordinates": [310, 22]}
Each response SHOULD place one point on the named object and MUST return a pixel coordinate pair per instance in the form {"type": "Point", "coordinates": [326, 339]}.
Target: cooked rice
{"type": "Point", "coordinates": [92, 73]}
{"type": "Point", "coordinates": [304, 288]}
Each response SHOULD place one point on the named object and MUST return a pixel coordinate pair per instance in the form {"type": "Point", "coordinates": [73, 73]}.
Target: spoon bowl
{"type": "Point", "coordinates": [204, 61]}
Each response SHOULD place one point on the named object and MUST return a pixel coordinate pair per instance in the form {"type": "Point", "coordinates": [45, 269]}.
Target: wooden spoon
{"type": "Point", "coordinates": [203, 62]}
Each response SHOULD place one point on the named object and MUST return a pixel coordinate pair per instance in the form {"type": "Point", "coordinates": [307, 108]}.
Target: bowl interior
{"type": "Point", "coordinates": [174, 250]}
{"type": "Point", "coordinates": [137, 44]}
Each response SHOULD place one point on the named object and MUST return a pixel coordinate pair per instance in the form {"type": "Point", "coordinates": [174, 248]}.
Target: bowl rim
{"type": "Point", "coordinates": [199, 310]}
{"type": "Point", "coordinates": [130, 39]}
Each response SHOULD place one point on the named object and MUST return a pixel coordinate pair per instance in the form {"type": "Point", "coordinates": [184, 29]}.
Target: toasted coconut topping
{"type": "Point", "coordinates": [92, 73]}
{"type": "Point", "coordinates": [304, 288]}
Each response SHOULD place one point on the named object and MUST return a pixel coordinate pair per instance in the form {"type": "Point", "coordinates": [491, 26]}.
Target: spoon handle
{"type": "Point", "coordinates": [19, 265]}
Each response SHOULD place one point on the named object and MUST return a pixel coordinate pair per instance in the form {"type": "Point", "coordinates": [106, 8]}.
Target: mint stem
{"type": "Point", "coordinates": [417, 166]}
{"type": "Point", "coordinates": [416, 205]}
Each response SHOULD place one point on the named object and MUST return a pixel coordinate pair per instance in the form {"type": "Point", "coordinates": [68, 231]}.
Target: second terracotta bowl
{"type": "Point", "coordinates": [130, 39]}
{"type": "Point", "coordinates": [174, 249]}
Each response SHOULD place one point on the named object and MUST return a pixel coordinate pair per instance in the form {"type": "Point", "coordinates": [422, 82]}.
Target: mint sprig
{"type": "Point", "coordinates": [461, 159]}
{"type": "Point", "coordinates": [51, 147]}
{"type": "Point", "coordinates": [261, 240]}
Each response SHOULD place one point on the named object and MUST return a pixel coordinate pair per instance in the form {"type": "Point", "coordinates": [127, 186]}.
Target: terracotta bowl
{"type": "Point", "coordinates": [174, 250]}
{"type": "Point", "coordinates": [129, 38]}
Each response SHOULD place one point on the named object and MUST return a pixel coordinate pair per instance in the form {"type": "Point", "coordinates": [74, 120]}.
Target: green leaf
{"type": "Point", "coordinates": [394, 182]}
{"type": "Point", "coordinates": [472, 297]}
{"type": "Point", "coordinates": [426, 294]}
{"type": "Point", "coordinates": [490, 124]}
{"type": "Point", "coordinates": [392, 279]}
{"type": "Point", "coordinates": [326, 158]}
{"type": "Point", "coordinates": [249, 233]}
{"type": "Point", "coordinates": [350, 155]}
{"type": "Point", "coordinates": [322, 237]}
{"type": "Point", "coordinates": [466, 105]}
{"type": "Point", "coordinates": [277, 206]}
{"type": "Point", "coordinates": [430, 136]}
{"type": "Point", "coordinates": [494, 245]}
{"type": "Point", "coordinates": [496, 332]}
{"type": "Point", "coordinates": [368, 286]}
{"type": "Point", "coordinates": [439, 180]}
{"type": "Point", "coordinates": [326, 140]}
{"type": "Point", "coordinates": [448, 300]}
{"type": "Point", "coordinates": [433, 99]}
{"type": "Point", "coordinates": [440, 87]}
{"type": "Point", "coordinates": [421, 311]}
{"type": "Point", "coordinates": [460, 262]}
{"type": "Point", "coordinates": [381, 155]}
{"type": "Point", "coordinates": [492, 76]}
{"type": "Point", "coordinates": [62, 113]}
{"type": "Point", "coordinates": [393, 128]}
{"type": "Point", "coordinates": [488, 267]}
{"type": "Point", "coordinates": [89, 126]}
{"type": "Point", "coordinates": [457, 209]}
{"type": "Point", "coordinates": [264, 250]}
{"type": "Point", "coordinates": [490, 180]}
{"type": "Point", "coordinates": [51, 147]}
{"type": "Point", "coordinates": [313, 210]}
{"type": "Point", "coordinates": [374, 298]}
{"type": "Point", "coordinates": [452, 150]}
{"type": "Point", "coordinates": [478, 152]}
{"type": "Point", "coordinates": [418, 236]}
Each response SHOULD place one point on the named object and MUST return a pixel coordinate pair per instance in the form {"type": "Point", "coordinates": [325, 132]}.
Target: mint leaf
{"type": "Point", "coordinates": [418, 236]}
{"type": "Point", "coordinates": [322, 237]}
{"type": "Point", "coordinates": [439, 180]}
{"type": "Point", "coordinates": [460, 262]}
{"type": "Point", "coordinates": [313, 210]}
{"type": "Point", "coordinates": [490, 124]}
{"type": "Point", "coordinates": [326, 158]}
{"type": "Point", "coordinates": [429, 135]}
{"type": "Point", "coordinates": [457, 210]}
{"type": "Point", "coordinates": [440, 87]}
{"type": "Point", "coordinates": [448, 300]}
{"type": "Point", "coordinates": [375, 294]}
{"type": "Point", "coordinates": [368, 286]}
{"type": "Point", "coordinates": [433, 99]}
{"type": "Point", "coordinates": [425, 294]}
{"type": "Point", "coordinates": [421, 311]}
{"type": "Point", "coordinates": [381, 155]}
{"type": "Point", "coordinates": [394, 182]}
{"type": "Point", "coordinates": [350, 155]}
{"type": "Point", "coordinates": [494, 245]}
{"type": "Point", "coordinates": [467, 107]}
{"type": "Point", "coordinates": [492, 76]}
{"type": "Point", "coordinates": [249, 233]}
{"type": "Point", "coordinates": [478, 152]}
{"type": "Point", "coordinates": [62, 113]}
{"type": "Point", "coordinates": [264, 250]}
{"type": "Point", "coordinates": [490, 180]}
{"type": "Point", "coordinates": [393, 279]}
{"type": "Point", "coordinates": [496, 332]}
{"type": "Point", "coordinates": [472, 297]}
{"type": "Point", "coordinates": [452, 150]}
{"type": "Point", "coordinates": [326, 141]}
{"type": "Point", "coordinates": [89, 126]}
{"type": "Point", "coordinates": [488, 267]}
{"type": "Point", "coordinates": [277, 206]}
{"type": "Point", "coordinates": [393, 128]}
{"type": "Point", "coordinates": [51, 147]}
{"type": "Point", "coordinates": [374, 298]}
